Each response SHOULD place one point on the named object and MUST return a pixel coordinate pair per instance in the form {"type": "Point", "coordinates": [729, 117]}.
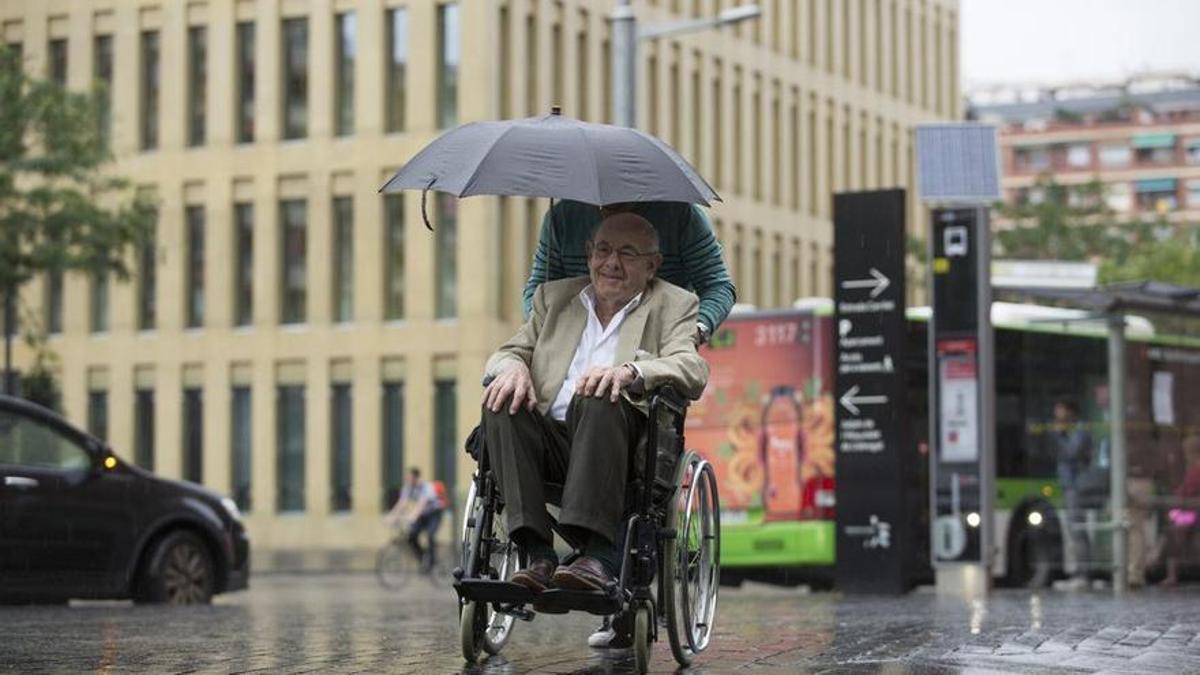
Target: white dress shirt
{"type": "Point", "coordinates": [597, 347]}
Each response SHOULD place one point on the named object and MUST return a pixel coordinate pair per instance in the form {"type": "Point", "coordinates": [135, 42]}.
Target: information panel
{"type": "Point", "coordinates": [873, 542]}
{"type": "Point", "coordinates": [959, 346]}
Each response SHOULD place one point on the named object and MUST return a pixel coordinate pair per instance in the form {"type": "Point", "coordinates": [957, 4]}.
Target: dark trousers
{"type": "Point", "coordinates": [588, 454]}
{"type": "Point", "coordinates": [428, 523]}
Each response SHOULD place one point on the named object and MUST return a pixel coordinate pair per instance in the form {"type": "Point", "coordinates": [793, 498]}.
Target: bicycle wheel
{"type": "Point", "coordinates": [394, 565]}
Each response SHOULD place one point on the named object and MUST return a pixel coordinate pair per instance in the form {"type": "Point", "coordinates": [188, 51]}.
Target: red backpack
{"type": "Point", "coordinates": [439, 489]}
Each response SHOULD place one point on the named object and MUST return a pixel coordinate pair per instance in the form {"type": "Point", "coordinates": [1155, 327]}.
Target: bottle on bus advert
{"type": "Point", "coordinates": [782, 444]}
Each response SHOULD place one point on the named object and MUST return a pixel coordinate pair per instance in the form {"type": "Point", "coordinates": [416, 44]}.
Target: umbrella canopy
{"type": "Point", "coordinates": [553, 156]}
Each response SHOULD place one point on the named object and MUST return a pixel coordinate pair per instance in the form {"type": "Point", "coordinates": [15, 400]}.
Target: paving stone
{"type": "Point", "coordinates": [347, 624]}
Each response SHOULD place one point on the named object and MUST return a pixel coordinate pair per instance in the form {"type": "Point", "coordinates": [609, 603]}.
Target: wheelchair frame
{"type": "Point", "coordinates": [670, 563]}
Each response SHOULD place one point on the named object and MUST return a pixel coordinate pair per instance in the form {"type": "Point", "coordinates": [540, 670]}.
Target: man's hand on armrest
{"type": "Point", "coordinates": [601, 381]}
{"type": "Point", "coordinates": [515, 386]}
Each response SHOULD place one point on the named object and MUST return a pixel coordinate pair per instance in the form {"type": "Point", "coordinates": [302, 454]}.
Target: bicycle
{"type": "Point", "coordinates": [396, 564]}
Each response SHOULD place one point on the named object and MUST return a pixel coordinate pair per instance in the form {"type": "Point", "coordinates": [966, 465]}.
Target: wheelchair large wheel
{"type": "Point", "coordinates": [692, 559]}
{"type": "Point", "coordinates": [496, 558]}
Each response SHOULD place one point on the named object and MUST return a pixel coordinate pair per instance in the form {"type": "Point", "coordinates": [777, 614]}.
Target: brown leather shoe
{"type": "Point", "coordinates": [536, 577]}
{"type": "Point", "coordinates": [585, 574]}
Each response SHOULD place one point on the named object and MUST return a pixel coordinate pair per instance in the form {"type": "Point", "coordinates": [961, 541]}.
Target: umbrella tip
{"type": "Point", "coordinates": [556, 110]}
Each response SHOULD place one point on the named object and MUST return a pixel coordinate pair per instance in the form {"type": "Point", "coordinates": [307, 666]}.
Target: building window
{"type": "Point", "coordinates": [294, 268]}
{"type": "Point", "coordinates": [1156, 194]}
{"type": "Point", "coordinates": [194, 221]}
{"type": "Point", "coordinates": [347, 53]}
{"type": "Point", "coordinates": [531, 65]}
{"type": "Point", "coordinates": [241, 445]}
{"type": "Point", "coordinates": [243, 269]}
{"type": "Point", "coordinates": [99, 302]}
{"type": "Point", "coordinates": [1119, 197]}
{"type": "Point", "coordinates": [54, 301]}
{"type": "Point", "coordinates": [393, 442]}
{"type": "Point", "coordinates": [143, 428]}
{"type": "Point", "coordinates": [445, 433]}
{"type": "Point", "coordinates": [197, 83]}
{"type": "Point", "coordinates": [149, 89]}
{"type": "Point", "coordinates": [1079, 156]}
{"type": "Point", "coordinates": [97, 414]}
{"type": "Point", "coordinates": [343, 259]}
{"type": "Point", "coordinates": [1115, 155]}
{"type": "Point", "coordinates": [393, 256]}
{"type": "Point", "coordinates": [56, 62]}
{"type": "Point", "coordinates": [13, 57]}
{"type": "Point", "coordinates": [193, 434]}
{"type": "Point", "coordinates": [1155, 149]}
{"type": "Point", "coordinates": [446, 261]}
{"type": "Point", "coordinates": [447, 67]}
{"type": "Point", "coordinates": [1192, 149]}
{"type": "Point", "coordinates": [341, 441]}
{"type": "Point", "coordinates": [1193, 194]}
{"type": "Point", "coordinates": [245, 82]}
{"type": "Point", "coordinates": [295, 78]}
{"type": "Point", "coordinates": [289, 415]}
{"type": "Point", "coordinates": [397, 37]}
{"type": "Point", "coordinates": [1033, 159]}
{"type": "Point", "coordinates": [102, 73]}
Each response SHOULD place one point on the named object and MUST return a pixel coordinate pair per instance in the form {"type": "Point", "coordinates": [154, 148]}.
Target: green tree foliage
{"type": "Point", "coordinates": [60, 206]}
{"type": "Point", "coordinates": [1076, 223]}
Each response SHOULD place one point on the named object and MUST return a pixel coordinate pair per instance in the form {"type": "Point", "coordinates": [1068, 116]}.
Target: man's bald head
{"type": "Point", "coordinates": [632, 223]}
{"type": "Point", "coordinates": [622, 258]}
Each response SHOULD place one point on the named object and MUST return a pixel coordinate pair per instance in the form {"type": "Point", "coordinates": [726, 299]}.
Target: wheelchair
{"type": "Point", "coordinates": [670, 567]}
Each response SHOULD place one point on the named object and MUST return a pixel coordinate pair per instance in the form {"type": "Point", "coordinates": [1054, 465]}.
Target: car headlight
{"type": "Point", "coordinates": [231, 508]}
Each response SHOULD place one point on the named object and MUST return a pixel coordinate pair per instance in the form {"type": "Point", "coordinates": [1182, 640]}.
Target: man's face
{"type": "Point", "coordinates": [621, 260]}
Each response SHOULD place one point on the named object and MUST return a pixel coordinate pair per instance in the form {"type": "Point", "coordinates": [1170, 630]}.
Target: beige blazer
{"type": "Point", "coordinates": [657, 335]}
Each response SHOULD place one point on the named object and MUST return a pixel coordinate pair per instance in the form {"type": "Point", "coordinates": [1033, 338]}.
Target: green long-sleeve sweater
{"type": "Point", "coordinates": [691, 253]}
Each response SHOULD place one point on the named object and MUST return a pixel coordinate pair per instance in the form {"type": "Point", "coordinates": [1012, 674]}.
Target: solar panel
{"type": "Point", "coordinates": [957, 163]}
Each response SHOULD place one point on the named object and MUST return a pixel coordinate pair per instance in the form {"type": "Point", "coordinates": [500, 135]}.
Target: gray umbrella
{"type": "Point", "coordinates": [553, 156]}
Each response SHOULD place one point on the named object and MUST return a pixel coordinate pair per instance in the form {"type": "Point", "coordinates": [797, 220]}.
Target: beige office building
{"type": "Point", "coordinates": [295, 339]}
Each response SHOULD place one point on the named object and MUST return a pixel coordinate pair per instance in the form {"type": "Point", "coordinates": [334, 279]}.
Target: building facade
{"type": "Point", "coordinates": [1140, 139]}
{"type": "Point", "coordinates": [295, 339]}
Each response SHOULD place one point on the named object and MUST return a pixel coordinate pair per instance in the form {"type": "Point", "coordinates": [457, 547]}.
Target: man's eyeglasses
{"type": "Point", "coordinates": [627, 254]}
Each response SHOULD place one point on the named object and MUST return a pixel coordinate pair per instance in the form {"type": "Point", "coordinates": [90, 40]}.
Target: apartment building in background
{"type": "Point", "coordinates": [1140, 138]}
{"type": "Point", "coordinates": [295, 339]}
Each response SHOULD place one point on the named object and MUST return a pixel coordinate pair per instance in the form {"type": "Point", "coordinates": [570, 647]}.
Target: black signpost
{"type": "Point", "coordinates": [959, 176]}
{"type": "Point", "coordinates": [957, 343]}
{"type": "Point", "coordinates": [873, 537]}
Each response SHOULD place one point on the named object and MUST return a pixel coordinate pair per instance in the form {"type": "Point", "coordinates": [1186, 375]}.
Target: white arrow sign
{"type": "Point", "coordinates": [877, 284]}
{"type": "Point", "coordinates": [850, 400]}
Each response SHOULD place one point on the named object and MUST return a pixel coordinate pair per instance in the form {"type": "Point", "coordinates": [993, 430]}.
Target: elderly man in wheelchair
{"type": "Point", "coordinates": [583, 409]}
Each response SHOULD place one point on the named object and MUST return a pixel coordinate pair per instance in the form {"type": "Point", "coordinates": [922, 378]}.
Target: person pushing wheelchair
{"type": "Point", "coordinates": [565, 401]}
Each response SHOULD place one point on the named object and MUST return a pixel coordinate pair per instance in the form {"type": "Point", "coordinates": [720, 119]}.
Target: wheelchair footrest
{"type": "Point", "coordinates": [492, 590]}
{"type": "Point", "coordinates": [557, 600]}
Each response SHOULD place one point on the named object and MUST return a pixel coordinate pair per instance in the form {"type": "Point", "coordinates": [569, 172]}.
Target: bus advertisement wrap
{"type": "Point", "coordinates": [765, 422]}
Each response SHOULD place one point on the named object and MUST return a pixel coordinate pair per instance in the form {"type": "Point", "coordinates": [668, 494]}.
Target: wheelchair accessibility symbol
{"type": "Point", "coordinates": [876, 534]}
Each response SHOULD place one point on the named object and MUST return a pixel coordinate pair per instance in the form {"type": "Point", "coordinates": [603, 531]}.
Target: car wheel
{"type": "Point", "coordinates": [178, 572]}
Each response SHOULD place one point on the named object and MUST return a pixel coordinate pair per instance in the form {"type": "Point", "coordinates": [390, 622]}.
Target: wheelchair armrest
{"type": "Point", "coordinates": [668, 396]}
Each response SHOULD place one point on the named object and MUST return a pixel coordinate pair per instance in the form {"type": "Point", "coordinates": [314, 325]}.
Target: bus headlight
{"type": "Point", "coordinates": [973, 519]}
{"type": "Point", "coordinates": [1034, 518]}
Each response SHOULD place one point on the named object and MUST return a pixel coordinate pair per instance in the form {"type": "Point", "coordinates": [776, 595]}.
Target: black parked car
{"type": "Point", "coordinates": [77, 522]}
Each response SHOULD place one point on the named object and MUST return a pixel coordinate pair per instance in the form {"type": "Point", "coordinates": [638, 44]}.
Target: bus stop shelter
{"type": "Point", "coordinates": [1111, 304]}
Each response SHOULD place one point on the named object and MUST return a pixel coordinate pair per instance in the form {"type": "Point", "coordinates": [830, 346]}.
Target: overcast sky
{"type": "Point", "coordinates": [1035, 41]}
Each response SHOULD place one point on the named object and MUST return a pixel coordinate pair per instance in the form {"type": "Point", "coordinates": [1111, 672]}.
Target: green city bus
{"type": "Point", "coordinates": [766, 423]}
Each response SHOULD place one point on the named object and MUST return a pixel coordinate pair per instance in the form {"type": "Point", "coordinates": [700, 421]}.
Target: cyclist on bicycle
{"type": "Point", "coordinates": [420, 506]}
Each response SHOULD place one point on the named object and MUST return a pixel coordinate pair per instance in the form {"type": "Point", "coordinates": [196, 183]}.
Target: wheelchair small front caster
{"type": "Point", "coordinates": [641, 640]}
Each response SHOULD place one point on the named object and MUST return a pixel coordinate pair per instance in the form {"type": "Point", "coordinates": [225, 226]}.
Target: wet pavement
{"type": "Point", "coordinates": [347, 623]}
